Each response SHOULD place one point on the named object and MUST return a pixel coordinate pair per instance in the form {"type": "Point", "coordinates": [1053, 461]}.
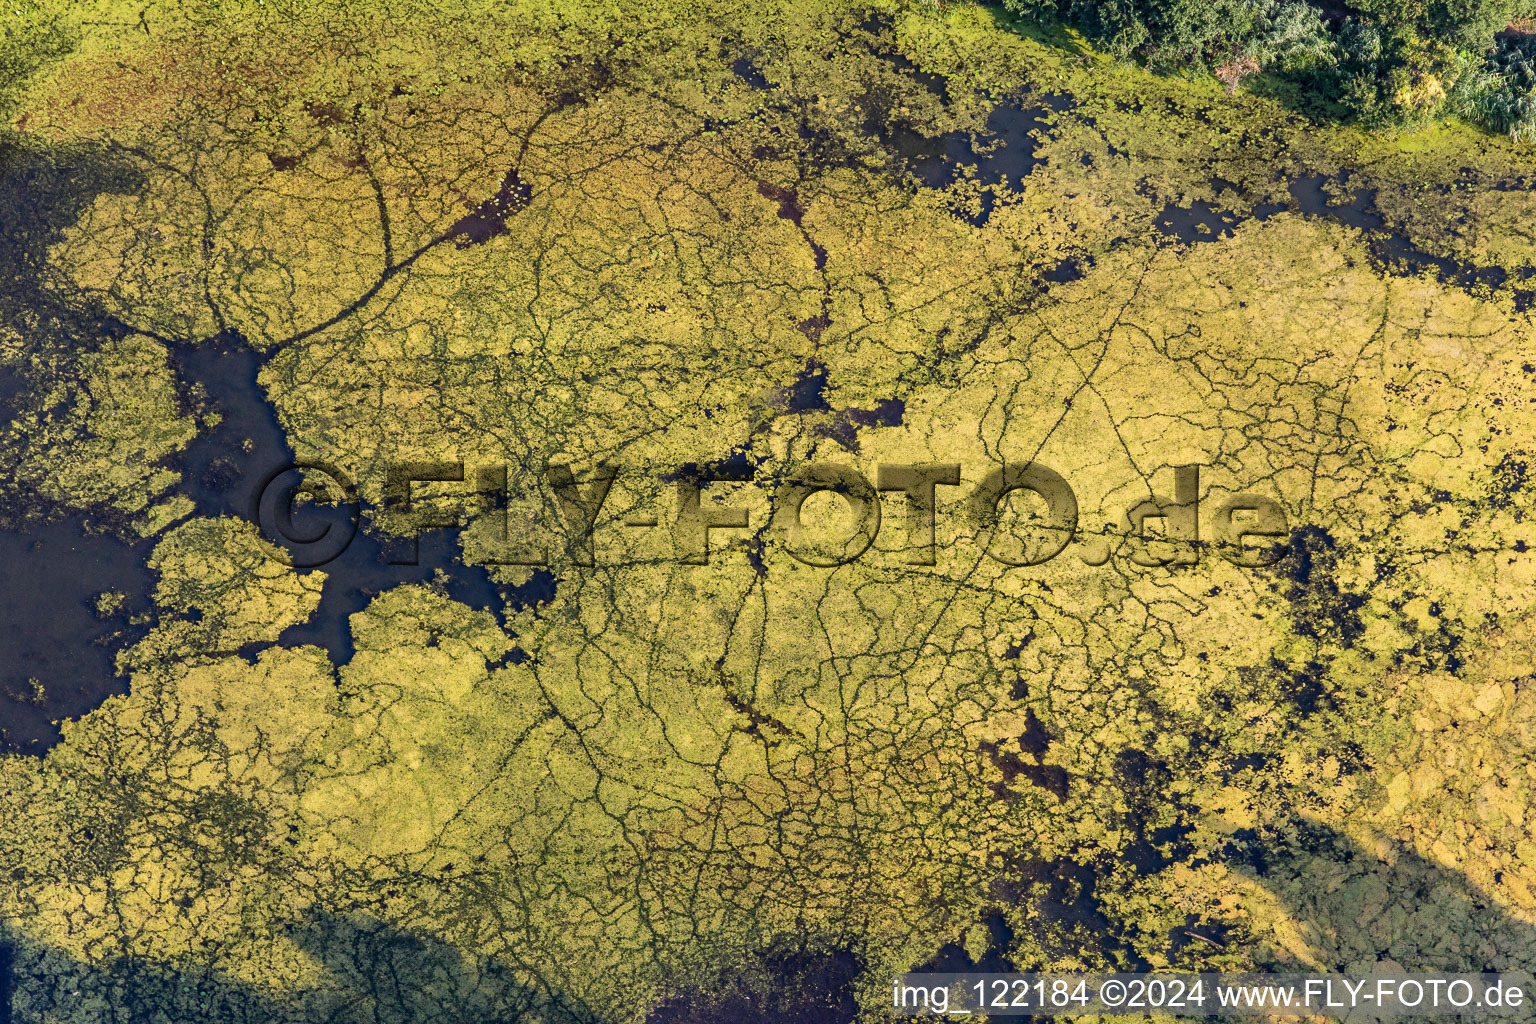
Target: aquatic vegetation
{"type": "Point", "coordinates": [749, 240]}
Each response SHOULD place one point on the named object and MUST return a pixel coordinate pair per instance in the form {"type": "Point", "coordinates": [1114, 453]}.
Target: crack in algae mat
{"type": "Point", "coordinates": [630, 788]}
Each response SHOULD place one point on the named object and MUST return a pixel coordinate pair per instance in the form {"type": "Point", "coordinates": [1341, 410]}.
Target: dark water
{"type": "Point", "coordinates": [808, 394]}
{"type": "Point", "coordinates": [1004, 154]}
{"type": "Point", "coordinates": [364, 570]}
{"type": "Point", "coordinates": [1065, 272]}
{"type": "Point", "coordinates": [1008, 143]}
{"type": "Point", "coordinates": [809, 391]}
{"type": "Point", "coordinates": [784, 988]}
{"type": "Point", "coordinates": [373, 970]}
{"type": "Point", "coordinates": [1393, 252]}
{"type": "Point", "coordinates": [53, 568]}
{"type": "Point", "coordinates": [748, 72]}
{"type": "Point", "coordinates": [237, 469]}
{"type": "Point", "coordinates": [50, 577]}
{"type": "Point", "coordinates": [51, 574]}
{"type": "Point", "coordinates": [1201, 222]}
{"type": "Point", "coordinates": [489, 218]}
{"type": "Point", "coordinates": [1057, 902]}
{"type": "Point", "coordinates": [224, 466]}
{"type": "Point", "coordinates": [1312, 195]}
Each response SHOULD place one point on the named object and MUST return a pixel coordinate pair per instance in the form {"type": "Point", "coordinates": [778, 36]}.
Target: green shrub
{"type": "Point", "coordinates": [1166, 33]}
{"type": "Point", "coordinates": [1501, 92]}
{"type": "Point", "coordinates": [1388, 62]}
{"type": "Point", "coordinates": [1293, 38]}
{"type": "Point", "coordinates": [1460, 24]}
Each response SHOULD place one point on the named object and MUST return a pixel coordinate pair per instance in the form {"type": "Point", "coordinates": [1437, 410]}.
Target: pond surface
{"type": "Point", "coordinates": [73, 593]}
{"type": "Point", "coordinates": [59, 653]}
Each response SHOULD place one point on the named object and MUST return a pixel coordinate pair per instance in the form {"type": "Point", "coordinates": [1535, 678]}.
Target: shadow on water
{"type": "Point", "coordinates": [12, 386]}
{"type": "Point", "coordinates": [784, 988]}
{"type": "Point", "coordinates": [1396, 906]}
{"type": "Point", "coordinates": [58, 653]}
{"type": "Point", "coordinates": [1443, 920]}
{"type": "Point", "coordinates": [7, 974]}
{"type": "Point", "coordinates": [52, 574]}
{"type": "Point", "coordinates": [375, 973]}
{"type": "Point", "coordinates": [371, 973]}
{"type": "Point", "coordinates": [225, 470]}
{"type": "Point", "coordinates": [44, 192]}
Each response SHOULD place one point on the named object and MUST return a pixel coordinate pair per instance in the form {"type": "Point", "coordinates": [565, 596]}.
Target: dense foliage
{"type": "Point", "coordinates": [1374, 61]}
{"type": "Point", "coordinates": [1503, 94]}
{"type": "Point", "coordinates": [29, 36]}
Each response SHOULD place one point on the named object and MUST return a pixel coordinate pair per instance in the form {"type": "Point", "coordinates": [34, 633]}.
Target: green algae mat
{"type": "Point", "coordinates": [895, 490]}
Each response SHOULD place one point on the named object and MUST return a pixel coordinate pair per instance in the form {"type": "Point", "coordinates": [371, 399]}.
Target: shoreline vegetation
{"type": "Point", "coordinates": [1377, 63]}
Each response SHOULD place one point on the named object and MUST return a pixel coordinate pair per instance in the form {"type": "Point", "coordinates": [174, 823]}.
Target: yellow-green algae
{"type": "Point", "coordinates": [695, 765]}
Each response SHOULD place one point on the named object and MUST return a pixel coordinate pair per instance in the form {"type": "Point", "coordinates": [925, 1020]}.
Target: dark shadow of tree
{"type": "Point", "coordinates": [1386, 904]}
{"type": "Point", "coordinates": [1367, 910]}
{"type": "Point", "coordinates": [373, 973]}
{"type": "Point", "coordinates": [787, 987]}
{"type": "Point", "coordinates": [1386, 907]}
{"type": "Point", "coordinates": [44, 191]}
